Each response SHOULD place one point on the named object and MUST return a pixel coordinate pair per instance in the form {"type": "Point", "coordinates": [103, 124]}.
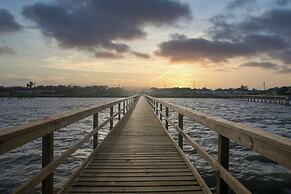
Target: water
{"type": "Point", "coordinates": [254, 171]}
{"type": "Point", "coordinates": [257, 173]}
{"type": "Point", "coordinates": [18, 165]}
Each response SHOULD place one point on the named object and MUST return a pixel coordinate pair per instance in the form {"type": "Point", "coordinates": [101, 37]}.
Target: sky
{"type": "Point", "coordinates": [146, 43]}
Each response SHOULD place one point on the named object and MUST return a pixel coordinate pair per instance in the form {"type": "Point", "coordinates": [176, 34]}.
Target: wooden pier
{"type": "Point", "coordinates": [139, 155]}
{"type": "Point", "coordinates": [282, 100]}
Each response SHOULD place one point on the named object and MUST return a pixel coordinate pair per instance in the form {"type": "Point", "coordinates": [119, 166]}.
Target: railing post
{"type": "Point", "coordinates": [161, 109]}
{"type": "Point", "coordinates": [95, 124]}
{"type": "Point", "coordinates": [47, 157]}
{"type": "Point", "coordinates": [111, 114]}
{"type": "Point", "coordinates": [223, 158]}
{"type": "Point", "coordinates": [118, 111]}
{"type": "Point", "coordinates": [154, 105]}
{"type": "Point", "coordinates": [167, 115]}
{"type": "Point", "coordinates": [127, 105]}
{"type": "Point", "coordinates": [157, 108]}
{"type": "Point", "coordinates": [123, 108]}
{"type": "Point", "coordinates": [180, 138]}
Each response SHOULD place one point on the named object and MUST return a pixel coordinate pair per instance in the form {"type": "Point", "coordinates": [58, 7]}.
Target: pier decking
{"type": "Point", "coordinates": [137, 157]}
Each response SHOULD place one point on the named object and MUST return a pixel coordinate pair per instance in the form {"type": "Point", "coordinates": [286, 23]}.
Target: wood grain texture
{"type": "Point", "coordinates": [138, 157]}
{"type": "Point", "coordinates": [276, 148]}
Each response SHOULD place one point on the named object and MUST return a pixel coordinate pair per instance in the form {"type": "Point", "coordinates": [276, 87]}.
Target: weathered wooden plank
{"type": "Point", "coordinates": [135, 189]}
{"type": "Point", "coordinates": [14, 137]}
{"type": "Point", "coordinates": [135, 183]}
{"type": "Point", "coordinates": [138, 157]}
{"type": "Point", "coordinates": [101, 170]}
{"type": "Point", "coordinates": [142, 179]}
{"type": "Point", "coordinates": [272, 146]}
{"type": "Point", "coordinates": [168, 192]}
{"type": "Point", "coordinates": [134, 174]}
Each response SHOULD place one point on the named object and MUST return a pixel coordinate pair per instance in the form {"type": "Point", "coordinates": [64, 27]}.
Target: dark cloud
{"type": "Point", "coordinates": [281, 2]}
{"type": "Point", "coordinates": [267, 35]}
{"type": "Point", "coordinates": [284, 56]}
{"type": "Point", "coordinates": [6, 50]}
{"type": "Point", "coordinates": [107, 55]}
{"type": "Point", "coordinates": [103, 23]}
{"type": "Point", "coordinates": [264, 65]}
{"type": "Point", "coordinates": [275, 22]}
{"type": "Point", "coordinates": [141, 55]}
{"type": "Point", "coordinates": [236, 4]}
{"type": "Point", "coordinates": [7, 22]}
{"type": "Point", "coordinates": [181, 48]}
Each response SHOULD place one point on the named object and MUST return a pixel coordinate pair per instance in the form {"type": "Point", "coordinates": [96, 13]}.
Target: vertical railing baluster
{"type": "Point", "coordinates": [161, 111]}
{"type": "Point", "coordinates": [127, 105]}
{"type": "Point", "coordinates": [180, 137]}
{"type": "Point", "coordinates": [47, 157]}
{"type": "Point", "coordinates": [123, 107]}
{"type": "Point", "coordinates": [119, 111]}
{"type": "Point", "coordinates": [223, 159]}
{"type": "Point", "coordinates": [167, 115]}
{"type": "Point", "coordinates": [154, 105]}
{"type": "Point", "coordinates": [111, 114]}
{"type": "Point", "coordinates": [95, 124]}
{"type": "Point", "coordinates": [157, 108]}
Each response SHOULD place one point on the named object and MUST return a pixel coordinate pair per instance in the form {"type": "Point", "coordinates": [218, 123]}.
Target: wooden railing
{"type": "Point", "coordinates": [274, 147]}
{"type": "Point", "coordinates": [283, 100]}
{"type": "Point", "coordinates": [11, 138]}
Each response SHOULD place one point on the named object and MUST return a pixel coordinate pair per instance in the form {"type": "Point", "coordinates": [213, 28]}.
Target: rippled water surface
{"type": "Point", "coordinates": [18, 165]}
{"type": "Point", "coordinates": [257, 173]}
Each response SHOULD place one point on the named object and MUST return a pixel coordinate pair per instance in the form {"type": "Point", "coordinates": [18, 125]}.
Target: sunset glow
{"type": "Point", "coordinates": [181, 48]}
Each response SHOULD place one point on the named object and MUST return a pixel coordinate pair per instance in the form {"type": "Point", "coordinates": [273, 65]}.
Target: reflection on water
{"type": "Point", "coordinates": [256, 172]}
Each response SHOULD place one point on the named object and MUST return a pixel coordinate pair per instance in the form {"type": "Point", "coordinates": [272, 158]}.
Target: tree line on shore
{"type": "Point", "coordinates": [106, 91]}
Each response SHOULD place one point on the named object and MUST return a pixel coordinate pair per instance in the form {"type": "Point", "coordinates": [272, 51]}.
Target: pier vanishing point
{"type": "Point", "coordinates": [139, 155]}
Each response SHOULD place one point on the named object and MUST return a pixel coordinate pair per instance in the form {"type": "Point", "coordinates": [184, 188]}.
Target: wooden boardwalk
{"type": "Point", "coordinates": [137, 157]}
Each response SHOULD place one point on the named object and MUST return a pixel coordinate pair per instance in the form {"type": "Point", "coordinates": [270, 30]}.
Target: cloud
{"type": "Point", "coordinates": [103, 24]}
{"type": "Point", "coordinates": [182, 48]}
{"type": "Point", "coordinates": [285, 70]}
{"type": "Point", "coordinates": [281, 2]}
{"type": "Point", "coordinates": [284, 56]}
{"type": "Point", "coordinates": [141, 55]}
{"type": "Point", "coordinates": [237, 4]}
{"type": "Point", "coordinates": [107, 55]}
{"type": "Point", "coordinates": [264, 65]}
{"type": "Point", "coordinates": [7, 22]}
{"type": "Point", "coordinates": [4, 50]}
{"type": "Point", "coordinates": [266, 35]}
{"type": "Point", "coordinates": [273, 22]}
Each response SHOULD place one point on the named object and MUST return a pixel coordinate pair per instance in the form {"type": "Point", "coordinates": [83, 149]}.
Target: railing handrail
{"type": "Point", "coordinates": [272, 146]}
{"type": "Point", "coordinates": [12, 137]}
{"type": "Point", "coordinates": [45, 128]}
{"type": "Point", "coordinates": [265, 96]}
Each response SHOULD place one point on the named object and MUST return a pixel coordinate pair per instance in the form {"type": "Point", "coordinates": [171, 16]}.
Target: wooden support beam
{"type": "Point", "coordinates": [47, 157]}
{"type": "Point", "coordinates": [161, 110]}
{"type": "Point", "coordinates": [157, 108]}
{"type": "Point", "coordinates": [119, 111]}
{"type": "Point", "coordinates": [111, 114]}
{"type": "Point", "coordinates": [180, 138]}
{"type": "Point", "coordinates": [223, 159]}
{"type": "Point", "coordinates": [167, 115]}
{"type": "Point", "coordinates": [95, 124]}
